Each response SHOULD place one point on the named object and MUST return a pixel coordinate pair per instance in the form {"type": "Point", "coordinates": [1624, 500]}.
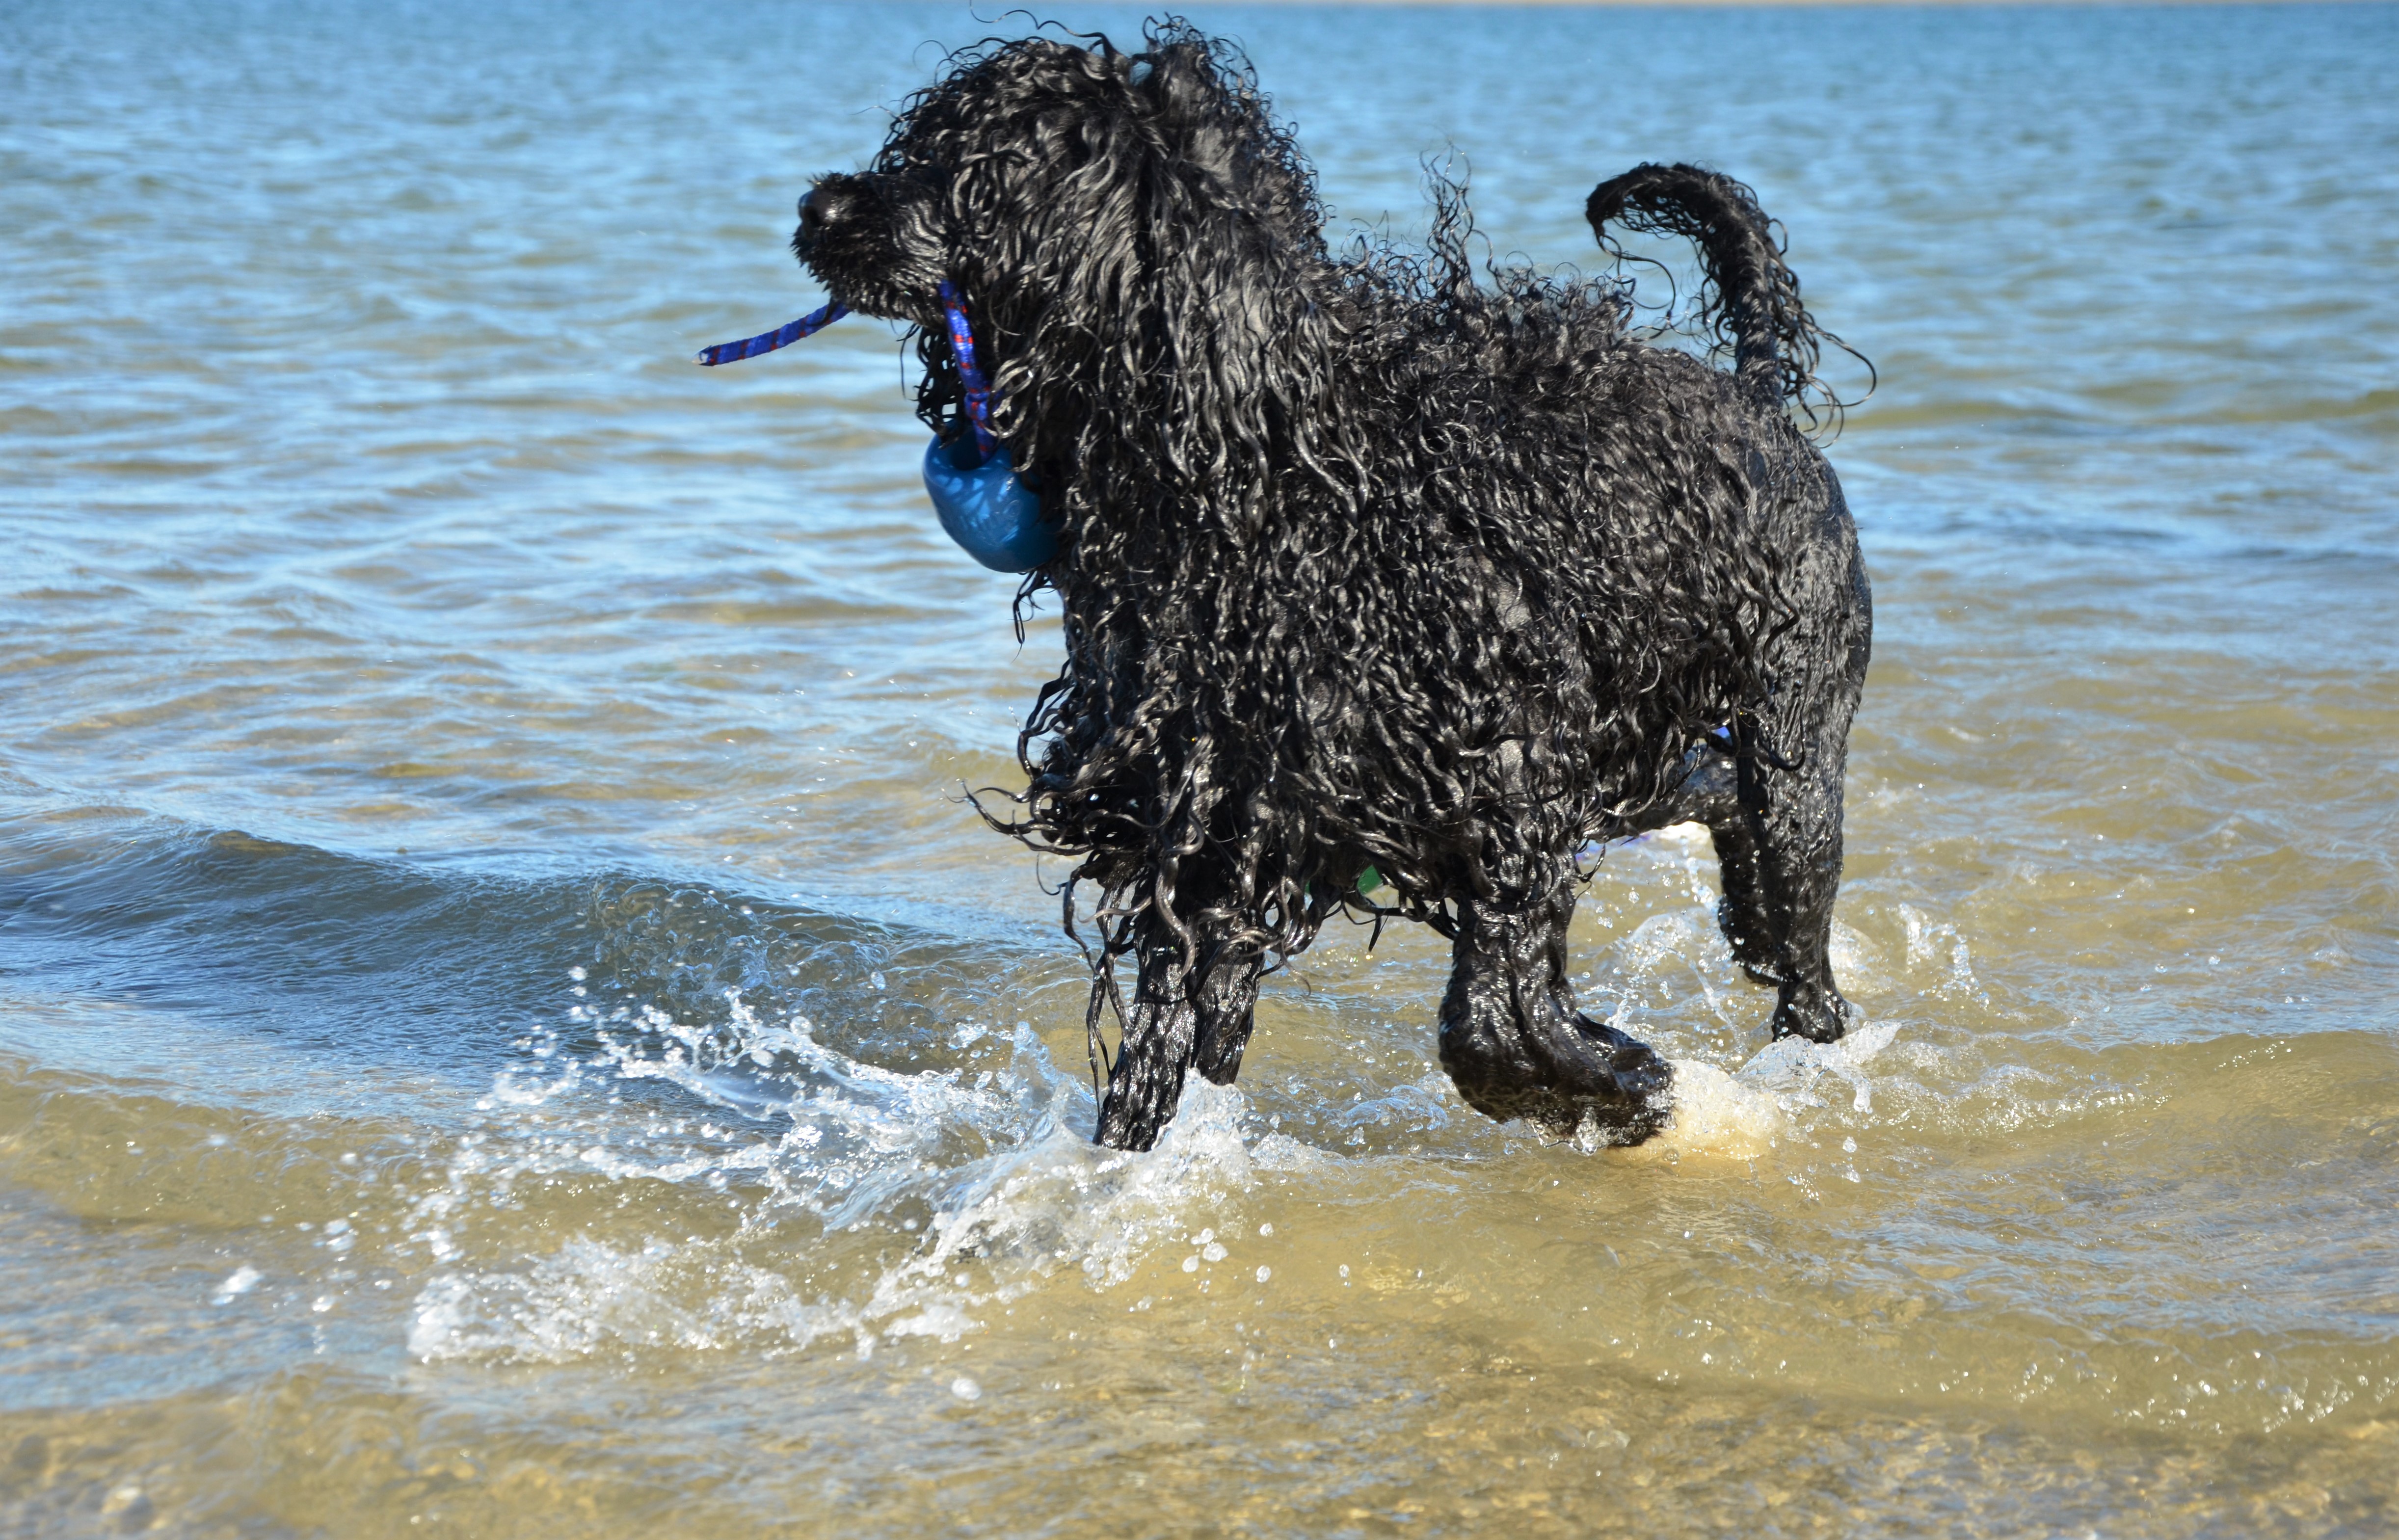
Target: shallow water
{"type": "Point", "coordinates": [506, 1027]}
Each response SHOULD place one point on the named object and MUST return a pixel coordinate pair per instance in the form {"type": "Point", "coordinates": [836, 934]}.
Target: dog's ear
{"type": "Point", "coordinates": [1201, 117]}
{"type": "Point", "coordinates": [1178, 81]}
{"type": "Point", "coordinates": [1164, 262]}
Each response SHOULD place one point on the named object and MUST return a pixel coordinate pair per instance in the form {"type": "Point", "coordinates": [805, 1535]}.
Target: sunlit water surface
{"type": "Point", "coordinates": [507, 1026]}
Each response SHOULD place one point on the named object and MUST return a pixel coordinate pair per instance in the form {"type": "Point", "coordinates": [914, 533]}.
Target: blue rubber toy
{"type": "Point", "coordinates": [986, 508]}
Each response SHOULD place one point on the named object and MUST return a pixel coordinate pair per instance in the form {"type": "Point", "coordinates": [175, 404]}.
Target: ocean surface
{"type": "Point", "coordinates": [507, 1027]}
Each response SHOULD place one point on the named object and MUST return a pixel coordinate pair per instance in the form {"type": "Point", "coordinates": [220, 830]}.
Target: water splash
{"type": "Point", "coordinates": [816, 1145]}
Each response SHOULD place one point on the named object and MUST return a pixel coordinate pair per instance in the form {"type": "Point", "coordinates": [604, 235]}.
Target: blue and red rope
{"type": "Point", "coordinates": [766, 342]}
{"type": "Point", "coordinates": [977, 404]}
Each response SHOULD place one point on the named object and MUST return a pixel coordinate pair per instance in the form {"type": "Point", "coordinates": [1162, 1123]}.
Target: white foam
{"type": "Point", "coordinates": [1792, 1069]}
{"type": "Point", "coordinates": [1942, 949]}
{"type": "Point", "coordinates": [1742, 1115]}
{"type": "Point", "coordinates": [860, 1142]}
{"type": "Point", "coordinates": [1719, 1114]}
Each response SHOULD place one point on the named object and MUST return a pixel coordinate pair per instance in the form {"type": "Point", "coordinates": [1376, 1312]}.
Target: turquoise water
{"type": "Point", "coordinates": [507, 1026]}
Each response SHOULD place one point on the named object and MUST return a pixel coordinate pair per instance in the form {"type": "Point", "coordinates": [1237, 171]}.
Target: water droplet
{"type": "Point", "coordinates": [965, 1390]}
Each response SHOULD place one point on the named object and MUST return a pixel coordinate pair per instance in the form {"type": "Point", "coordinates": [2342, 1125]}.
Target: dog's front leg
{"type": "Point", "coordinates": [1161, 1031]}
{"type": "Point", "coordinates": [1227, 1000]}
{"type": "Point", "coordinates": [1174, 1024]}
{"type": "Point", "coordinates": [1514, 1045]}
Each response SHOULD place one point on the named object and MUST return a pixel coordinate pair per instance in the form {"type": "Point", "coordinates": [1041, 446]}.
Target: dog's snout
{"type": "Point", "coordinates": [870, 239]}
{"type": "Point", "coordinates": [824, 206]}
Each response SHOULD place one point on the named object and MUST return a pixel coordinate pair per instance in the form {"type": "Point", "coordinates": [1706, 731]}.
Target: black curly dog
{"type": "Point", "coordinates": [1363, 564]}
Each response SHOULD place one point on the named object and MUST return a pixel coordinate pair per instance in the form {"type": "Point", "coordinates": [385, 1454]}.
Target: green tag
{"type": "Point", "coordinates": [1369, 880]}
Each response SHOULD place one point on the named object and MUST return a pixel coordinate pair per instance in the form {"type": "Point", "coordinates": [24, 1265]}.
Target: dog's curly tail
{"type": "Point", "coordinates": [1751, 298]}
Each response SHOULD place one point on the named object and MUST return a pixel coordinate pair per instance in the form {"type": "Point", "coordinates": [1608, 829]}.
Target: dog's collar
{"type": "Point", "coordinates": [977, 404]}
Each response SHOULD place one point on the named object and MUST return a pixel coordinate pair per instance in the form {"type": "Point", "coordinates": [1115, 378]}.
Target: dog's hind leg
{"type": "Point", "coordinates": [1515, 1044]}
{"type": "Point", "coordinates": [1779, 836]}
{"type": "Point", "coordinates": [1778, 839]}
{"type": "Point", "coordinates": [1741, 914]}
{"type": "Point", "coordinates": [1778, 851]}
{"type": "Point", "coordinates": [1710, 795]}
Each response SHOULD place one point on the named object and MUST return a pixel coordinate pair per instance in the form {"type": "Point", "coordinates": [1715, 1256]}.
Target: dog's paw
{"type": "Point", "coordinates": [1640, 1071]}
{"type": "Point", "coordinates": [1576, 1077]}
{"type": "Point", "coordinates": [1818, 1015]}
{"type": "Point", "coordinates": [1622, 1094]}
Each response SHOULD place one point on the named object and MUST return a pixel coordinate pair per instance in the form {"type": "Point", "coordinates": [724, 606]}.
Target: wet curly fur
{"type": "Point", "coordinates": [1364, 563]}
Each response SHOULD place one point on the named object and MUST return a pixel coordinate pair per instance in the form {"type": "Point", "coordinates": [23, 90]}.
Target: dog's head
{"type": "Point", "coordinates": [1121, 215]}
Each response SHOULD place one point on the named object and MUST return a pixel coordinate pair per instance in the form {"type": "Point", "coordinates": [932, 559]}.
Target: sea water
{"type": "Point", "coordinates": [509, 1026]}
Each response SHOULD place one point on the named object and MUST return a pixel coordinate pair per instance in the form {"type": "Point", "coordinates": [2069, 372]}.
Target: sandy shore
{"type": "Point", "coordinates": [1202, 5]}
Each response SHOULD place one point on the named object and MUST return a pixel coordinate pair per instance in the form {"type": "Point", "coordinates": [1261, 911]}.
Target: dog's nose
{"type": "Point", "coordinates": [823, 207]}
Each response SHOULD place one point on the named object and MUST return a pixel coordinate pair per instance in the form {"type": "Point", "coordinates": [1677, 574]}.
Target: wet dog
{"type": "Point", "coordinates": [1385, 591]}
